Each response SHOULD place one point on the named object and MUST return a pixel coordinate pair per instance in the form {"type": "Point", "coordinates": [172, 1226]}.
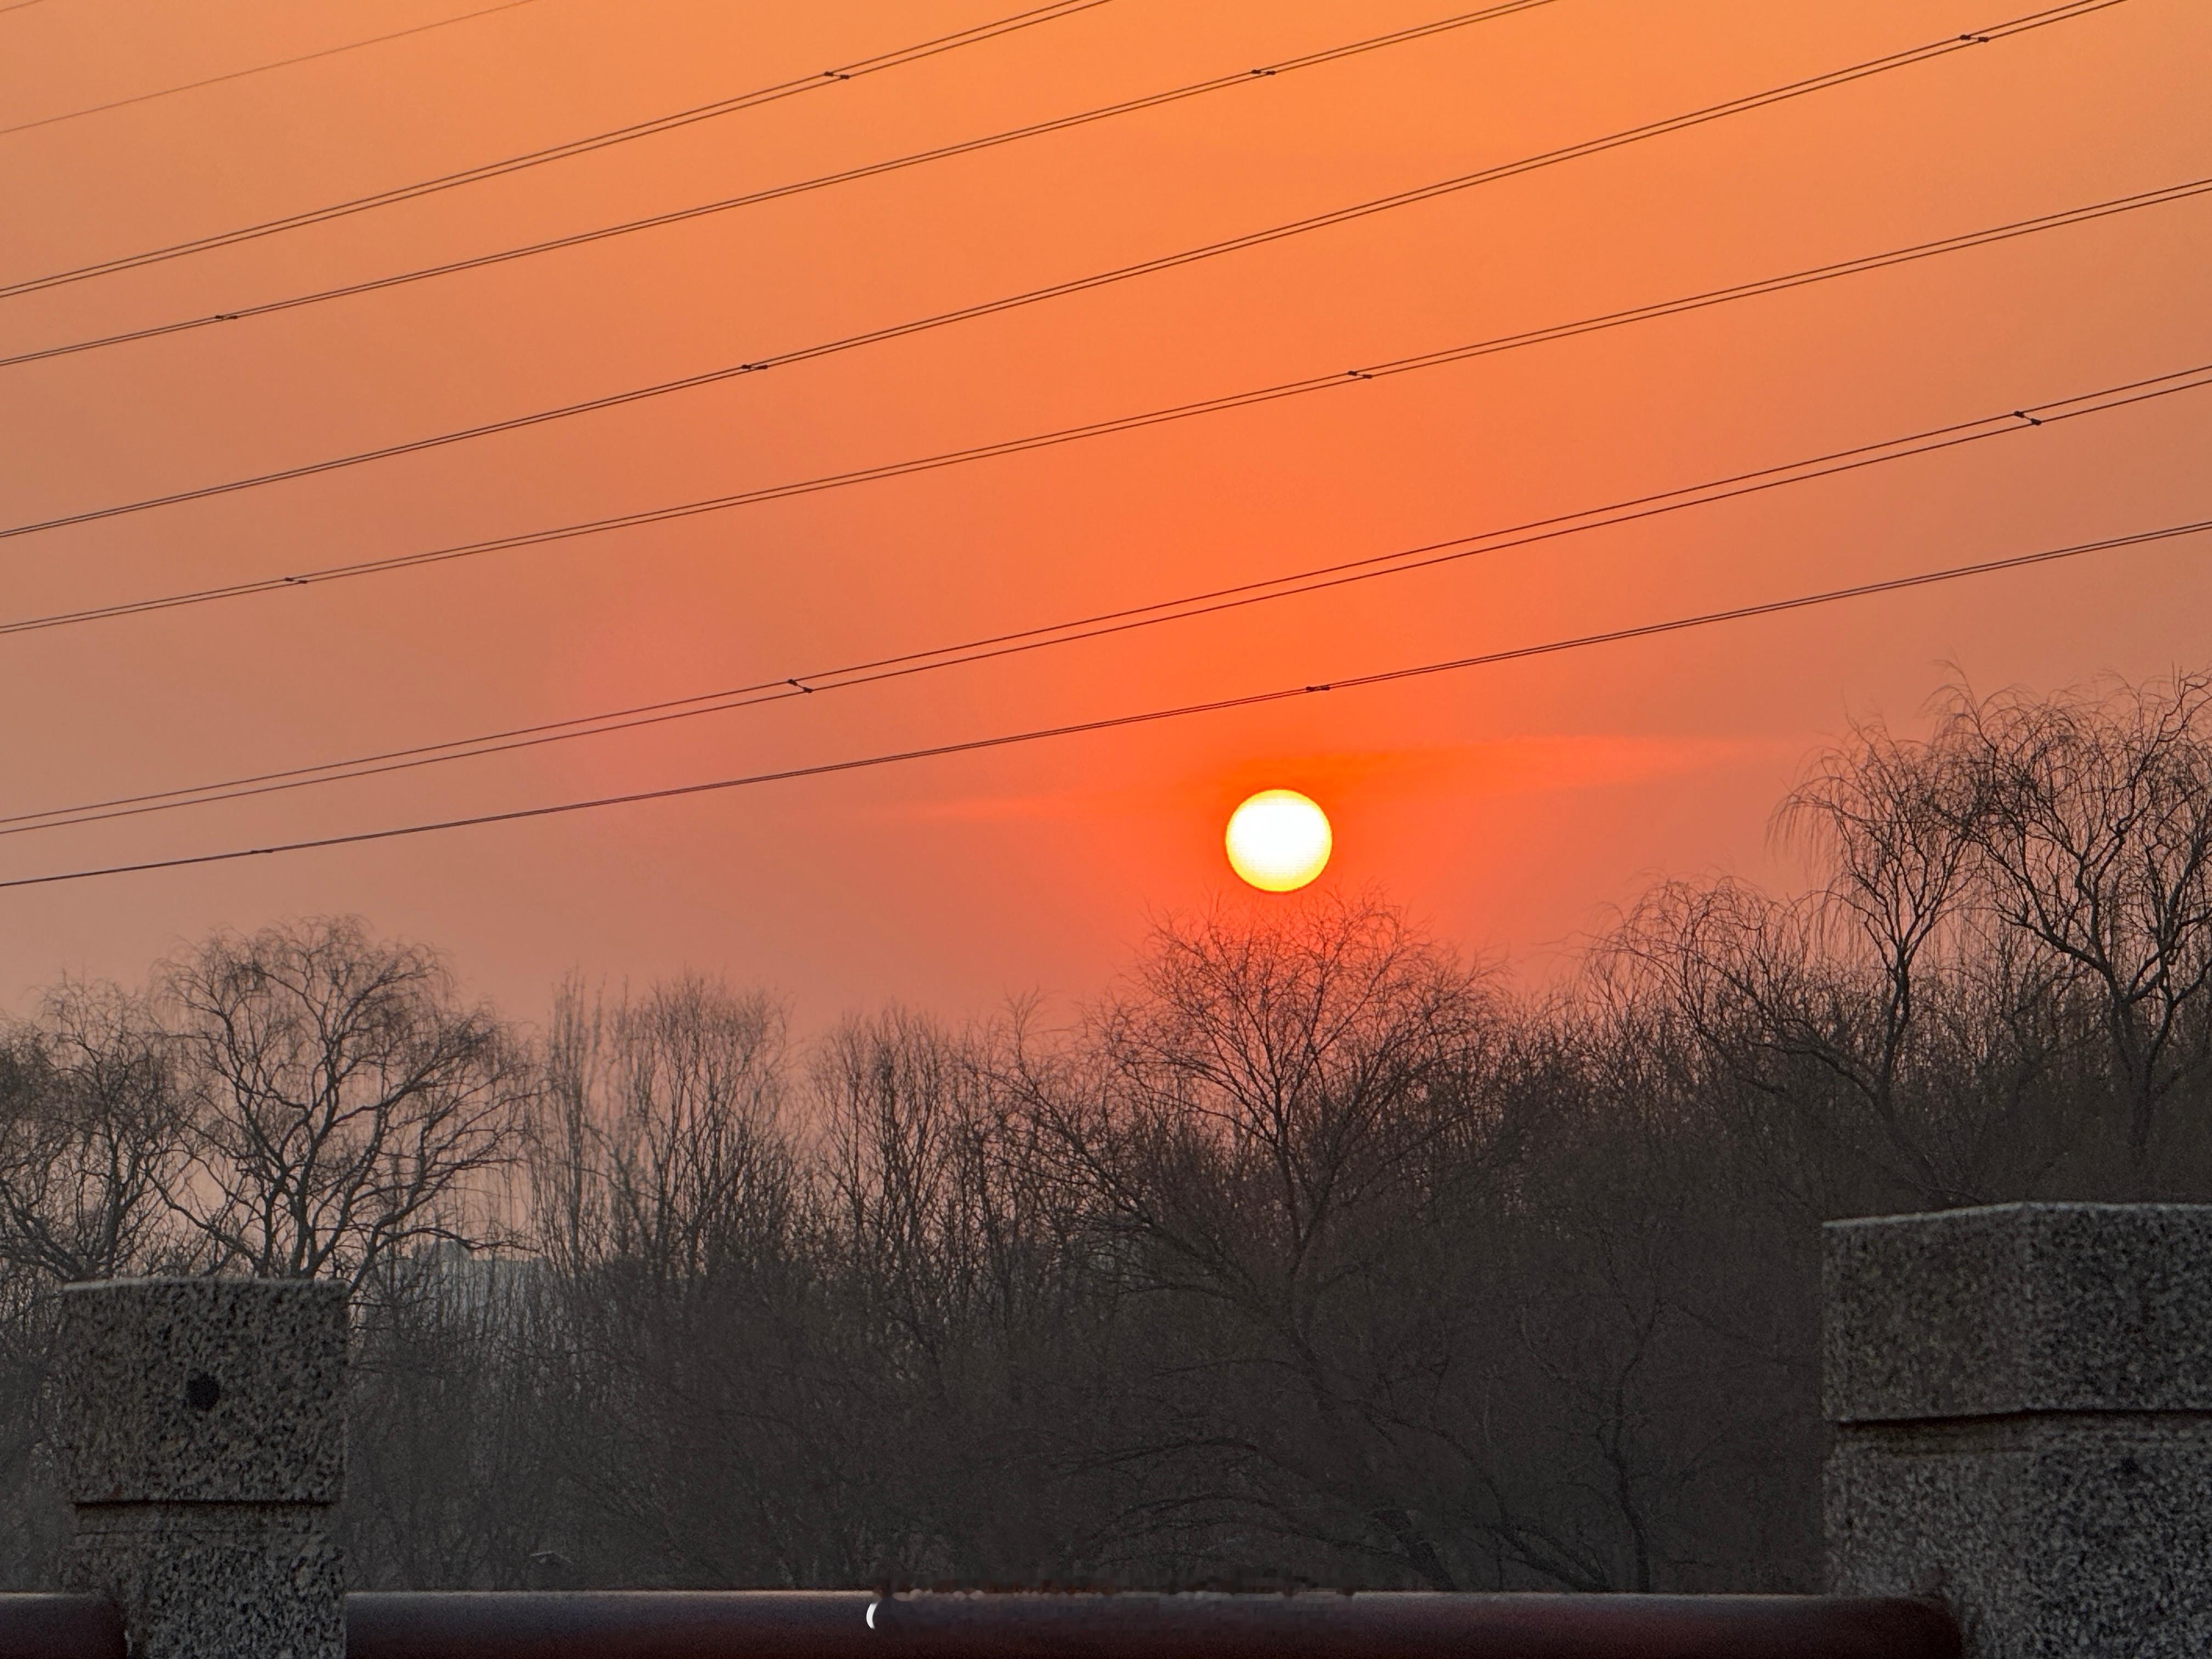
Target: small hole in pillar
{"type": "Point", "coordinates": [202, 1391]}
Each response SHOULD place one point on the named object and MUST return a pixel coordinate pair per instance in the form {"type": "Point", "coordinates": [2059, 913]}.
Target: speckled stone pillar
{"type": "Point", "coordinates": [2022, 1397]}
{"type": "Point", "coordinates": [203, 1448]}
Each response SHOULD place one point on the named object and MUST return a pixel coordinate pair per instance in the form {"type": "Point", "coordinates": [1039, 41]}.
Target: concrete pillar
{"type": "Point", "coordinates": [203, 1450]}
{"type": "Point", "coordinates": [2022, 1403]}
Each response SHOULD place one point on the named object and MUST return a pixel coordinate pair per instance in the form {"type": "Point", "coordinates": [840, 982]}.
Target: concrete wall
{"type": "Point", "coordinates": [2022, 1403]}
{"type": "Point", "coordinates": [203, 1453]}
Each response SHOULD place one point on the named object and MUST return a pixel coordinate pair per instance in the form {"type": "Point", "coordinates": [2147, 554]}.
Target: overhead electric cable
{"type": "Point", "coordinates": [853, 71]}
{"type": "Point", "coordinates": [260, 68]}
{"type": "Point", "coordinates": [777, 192]}
{"type": "Point", "coordinates": [1342, 215]}
{"type": "Point", "coordinates": [1187, 607]}
{"type": "Point", "coordinates": [1146, 717]}
{"type": "Point", "coordinates": [1099, 428]}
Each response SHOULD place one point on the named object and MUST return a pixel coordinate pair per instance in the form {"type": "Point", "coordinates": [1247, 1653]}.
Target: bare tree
{"type": "Point", "coordinates": [2092, 811]}
{"type": "Point", "coordinates": [1895, 1025]}
{"type": "Point", "coordinates": [451, 1482]}
{"type": "Point", "coordinates": [660, 1139]}
{"type": "Point", "coordinates": [343, 1104]}
{"type": "Point", "coordinates": [968, 1266]}
{"type": "Point", "coordinates": [1271, 1124]}
{"type": "Point", "coordinates": [90, 1127]}
{"type": "Point", "coordinates": [909, 1169]}
{"type": "Point", "coordinates": [729, 1403]}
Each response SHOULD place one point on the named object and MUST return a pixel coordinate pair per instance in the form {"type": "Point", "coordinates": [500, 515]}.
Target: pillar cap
{"type": "Point", "coordinates": [2018, 1308]}
{"type": "Point", "coordinates": [203, 1390]}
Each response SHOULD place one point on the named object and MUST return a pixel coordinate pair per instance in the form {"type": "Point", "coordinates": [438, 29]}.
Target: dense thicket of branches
{"type": "Point", "coordinates": [1308, 1254]}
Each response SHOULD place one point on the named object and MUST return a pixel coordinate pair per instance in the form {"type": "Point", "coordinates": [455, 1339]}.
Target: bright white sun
{"type": "Point", "coordinates": [1279, 841]}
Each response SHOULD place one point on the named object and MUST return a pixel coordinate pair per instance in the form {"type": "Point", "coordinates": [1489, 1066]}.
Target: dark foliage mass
{"type": "Point", "coordinates": [1309, 1254]}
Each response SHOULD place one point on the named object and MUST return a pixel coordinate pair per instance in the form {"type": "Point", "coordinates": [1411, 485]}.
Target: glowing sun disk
{"type": "Point", "coordinates": [1279, 841]}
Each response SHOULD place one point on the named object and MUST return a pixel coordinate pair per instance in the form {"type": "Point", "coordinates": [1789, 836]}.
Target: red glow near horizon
{"type": "Point", "coordinates": [1509, 808]}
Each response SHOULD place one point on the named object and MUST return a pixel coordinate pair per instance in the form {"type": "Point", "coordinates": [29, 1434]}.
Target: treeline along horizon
{"type": "Point", "coordinates": [1311, 1253]}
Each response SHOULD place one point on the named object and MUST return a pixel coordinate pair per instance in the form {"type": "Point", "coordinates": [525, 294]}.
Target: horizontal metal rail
{"type": "Point", "coordinates": [842, 1625]}
{"type": "Point", "coordinates": [59, 1627]}
{"type": "Point", "coordinates": [829, 1625]}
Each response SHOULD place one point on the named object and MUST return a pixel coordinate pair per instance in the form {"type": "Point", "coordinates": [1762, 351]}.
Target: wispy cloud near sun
{"type": "Point", "coordinates": [1536, 764]}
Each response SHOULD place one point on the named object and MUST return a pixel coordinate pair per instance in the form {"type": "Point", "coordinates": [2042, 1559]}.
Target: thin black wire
{"type": "Point", "coordinates": [21, 5]}
{"type": "Point", "coordinates": [259, 69]}
{"type": "Point", "coordinates": [894, 60]}
{"type": "Point", "coordinates": [777, 192]}
{"type": "Point", "coordinates": [1082, 284]}
{"type": "Point", "coordinates": [1182, 609]}
{"type": "Point", "coordinates": [1113, 722]}
{"type": "Point", "coordinates": [1249, 398]}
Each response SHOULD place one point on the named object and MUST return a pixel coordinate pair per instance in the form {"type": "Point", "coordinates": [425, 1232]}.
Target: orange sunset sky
{"type": "Point", "coordinates": [1510, 807]}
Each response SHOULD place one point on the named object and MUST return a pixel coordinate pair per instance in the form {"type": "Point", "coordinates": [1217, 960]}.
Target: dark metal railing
{"type": "Point", "coordinates": [59, 1627]}
{"type": "Point", "coordinates": [840, 1624]}
{"type": "Point", "coordinates": [802, 1624]}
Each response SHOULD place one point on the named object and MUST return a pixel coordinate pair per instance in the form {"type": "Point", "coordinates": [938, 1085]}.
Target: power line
{"type": "Point", "coordinates": [21, 5]}
{"type": "Point", "coordinates": [1342, 215]}
{"type": "Point", "coordinates": [1247, 398]}
{"type": "Point", "coordinates": [1113, 722]}
{"type": "Point", "coordinates": [778, 192]}
{"type": "Point", "coordinates": [1184, 608]}
{"type": "Point", "coordinates": [853, 71]}
{"type": "Point", "coordinates": [259, 69]}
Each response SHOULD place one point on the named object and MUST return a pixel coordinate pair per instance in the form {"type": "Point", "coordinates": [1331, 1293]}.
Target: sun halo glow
{"type": "Point", "coordinates": [1278, 840]}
